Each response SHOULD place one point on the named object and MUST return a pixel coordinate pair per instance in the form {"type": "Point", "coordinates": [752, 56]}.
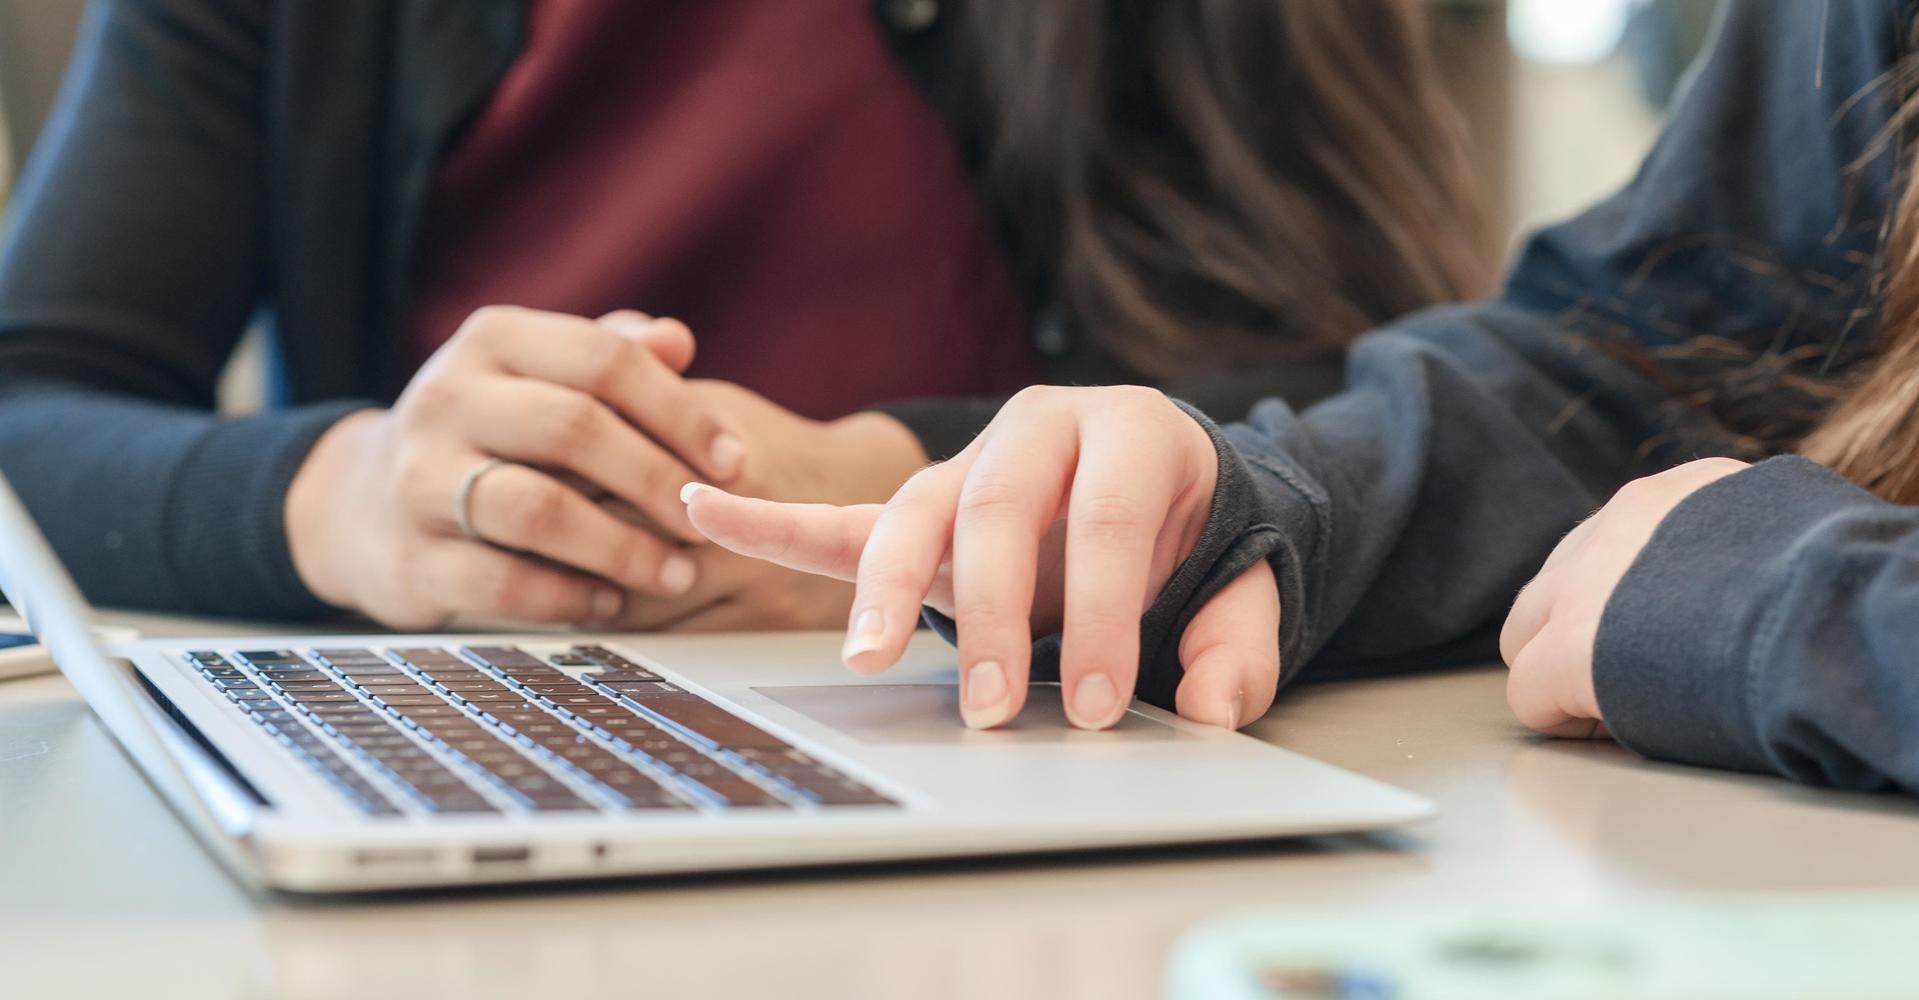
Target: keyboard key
{"type": "Point", "coordinates": [817, 781]}
{"type": "Point", "coordinates": [339, 656]}
{"type": "Point", "coordinates": [622, 677]}
{"type": "Point", "coordinates": [425, 657]}
{"type": "Point", "coordinates": [614, 662]}
{"type": "Point", "coordinates": [503, 658]}
{"type": "Point", "coordinates": [704, 720]}
{"type": "Point", "coordinates": [288, 670]}
{"type": "Point", "coordinates": [256, 657]}
{"type": "Point", "coordinates": [335, 696]}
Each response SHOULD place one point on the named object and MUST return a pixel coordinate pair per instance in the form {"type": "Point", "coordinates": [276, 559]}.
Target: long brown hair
{"type": "Point", "coordinates": [1221, 182]}
{"type": "Point", "coordinates": [1871, 435]}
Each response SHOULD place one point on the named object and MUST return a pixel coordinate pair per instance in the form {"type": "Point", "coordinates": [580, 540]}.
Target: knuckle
{"type": "Point", "coordinates": [496, 584]}
{"type": "Point", "coordinates": [655, 479]}
{"type": "Point", "coordinates": [1101, 619]}
{"type": "Point", "coordinates": [990, 494]}
{"type": "Point", "coordinates": [534, 509]}
{"type": "Point", "coordinates": [570, 428]}
{"type": "Point", "coordinates": [1637, 488]}
{"type": "Point", "coordinates": [888, 577]}
{"type": "Point", "coordinates": [428, 400]}
{"type": "Point", "coordinates": [1031, 394]}
{"type": "Point", "coordinates": [1719, 466]}
{"type": "Point", "coordinates": [1034, 398]}
{"type": "Point", "coordinates": [987, 612]}
{"type": "Point", "coordinates": [1110, 516]}
{"type": "Point", "coordinates": [545, 598]}
{"type": "Point", "coordinates": [1139, 397]}
{"type": "Point", "coordinates": [413, 463]}
{"type": "Point", "coordinates": [631, 556]}
{"type": "Point", "coordinates": [916, 488]}
{"type": "Point", "coordinates": [482, 325]}
{"type": "Point", "coordinates": [612, 360]}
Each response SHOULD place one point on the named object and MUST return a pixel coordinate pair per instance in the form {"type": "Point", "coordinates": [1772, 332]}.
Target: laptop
{"type": "Point", "coordinates": [324, 764]}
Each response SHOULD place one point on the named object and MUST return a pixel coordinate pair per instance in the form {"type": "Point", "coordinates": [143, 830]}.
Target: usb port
{"type": "Point", "coordinates": [501, 855]}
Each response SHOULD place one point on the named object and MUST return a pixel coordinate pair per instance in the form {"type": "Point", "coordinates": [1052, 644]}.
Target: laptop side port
{"type": "Point", "coordinates": [382, 857]}
{"type": "Point", "coordinates": [502, 855]}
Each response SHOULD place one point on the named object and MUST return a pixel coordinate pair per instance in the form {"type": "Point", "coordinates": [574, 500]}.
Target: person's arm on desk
{"type": "Point", "coordinates": [1405, 513]}
{"type": "Point", "coordinates": [1757, 618]}
{"type": "Point", "coordinates": [134, 252]}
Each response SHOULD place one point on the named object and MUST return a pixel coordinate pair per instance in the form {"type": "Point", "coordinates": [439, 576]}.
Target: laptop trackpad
{"type": "Point", "coordinates": [929, 713]}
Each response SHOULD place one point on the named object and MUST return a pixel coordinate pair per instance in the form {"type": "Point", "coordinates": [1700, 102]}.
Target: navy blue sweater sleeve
{"type": "Point", "coordinates": [1403, 514]}
{"type": "Point", "coordinates": [134, 258]}
{"type": "Point", "coordinates": [1770, 625]}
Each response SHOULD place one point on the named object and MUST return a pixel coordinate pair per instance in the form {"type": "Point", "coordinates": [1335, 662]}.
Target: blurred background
{"type": "Point", "coordinates": [1563, 97]}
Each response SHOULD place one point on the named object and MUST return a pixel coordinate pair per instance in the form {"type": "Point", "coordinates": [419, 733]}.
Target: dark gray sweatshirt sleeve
{"type": "Point", "coordinates": [134, 257]}
{"type": "Point", "coordinates": [1772, 624]}
{"type": "Point", "coordinates": [1403, 514]}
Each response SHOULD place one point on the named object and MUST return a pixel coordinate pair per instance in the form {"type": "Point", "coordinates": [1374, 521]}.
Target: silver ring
{"type": "Point", "coordinates": [463, 497]}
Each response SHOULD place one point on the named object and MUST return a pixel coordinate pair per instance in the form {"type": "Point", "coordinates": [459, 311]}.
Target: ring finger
{"type": "Point", "coordinates": [520, 508]}
{"type": "Point", "coordinates": [527, 420]}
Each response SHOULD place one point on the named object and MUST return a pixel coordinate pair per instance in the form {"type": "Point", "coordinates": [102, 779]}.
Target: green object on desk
{"type": "Point", "coordinates": [1752, 947]}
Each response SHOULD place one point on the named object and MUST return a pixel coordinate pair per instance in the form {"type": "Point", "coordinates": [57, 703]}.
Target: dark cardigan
{"type": "Point", "coordinates": [213, 162]}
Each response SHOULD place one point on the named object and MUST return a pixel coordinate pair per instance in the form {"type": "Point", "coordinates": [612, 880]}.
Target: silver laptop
{"type": "Point", "coordinates": [333, 764]}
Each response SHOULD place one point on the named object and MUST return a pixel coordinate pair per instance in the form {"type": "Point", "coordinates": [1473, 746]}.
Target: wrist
{"type": "Point", "coordinates": [311, 504]}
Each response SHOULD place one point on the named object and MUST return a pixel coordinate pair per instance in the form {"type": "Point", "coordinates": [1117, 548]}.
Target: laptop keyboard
{"type": "Point", "coordinates": [491, 729]}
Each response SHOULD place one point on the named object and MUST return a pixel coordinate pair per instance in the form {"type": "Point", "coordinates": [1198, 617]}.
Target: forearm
{"type": "Point", "coordinates": [1769, 625]}
{"type": "Point", "coordinates": [160, 506]}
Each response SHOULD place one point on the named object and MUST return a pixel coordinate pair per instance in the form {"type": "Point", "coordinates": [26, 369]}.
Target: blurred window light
{"type": "Point", "coordinates": [1567, 31]}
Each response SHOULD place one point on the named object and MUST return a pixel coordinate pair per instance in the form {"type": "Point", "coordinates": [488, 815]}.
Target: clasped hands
{"type": "Point", "coordinates": [530, 472]}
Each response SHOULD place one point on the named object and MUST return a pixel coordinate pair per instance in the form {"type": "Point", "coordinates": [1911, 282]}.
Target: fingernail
{"type": "Point", "coordinates": [727, 455]}
{"type": "Point", "coordinates": [628, 323]}
{"type": "Point", "coordinates": [687, 491]}
{"type": "Point", "coordinates": [1093, 701]}
{"type": "Point", "coordinates": [868, 632]}
{"type": "Point", "coordinates": [606, 605]}
{"type": "Point", "coordinates": [676, 575]}
{"type": "Point", "coordinates": [1235, 711]}
{"type": "Point", "coordinates": [985, 701]}
{"type": "Point", "coordinates": [866, 635]}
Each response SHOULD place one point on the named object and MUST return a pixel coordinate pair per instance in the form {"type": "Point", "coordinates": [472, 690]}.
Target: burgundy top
{"type": "Point", "coordinates": [763, 171]}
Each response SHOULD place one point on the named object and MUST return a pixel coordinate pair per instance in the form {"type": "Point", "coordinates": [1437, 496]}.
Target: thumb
{"type": "Point", "coordinates": [667, 338]}
{"type": "Point", "coordinates": [1231, 652]}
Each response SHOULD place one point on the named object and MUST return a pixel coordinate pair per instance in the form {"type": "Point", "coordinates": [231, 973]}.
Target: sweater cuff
{"type": "Point", "coordinates": [944, 426]}
{"type": "Point", "coordinates": [226, 511]}
{"type": "Point", "coordinates": [1235, 537]}
{"type": "Point", "coordinates": [1679, 641]}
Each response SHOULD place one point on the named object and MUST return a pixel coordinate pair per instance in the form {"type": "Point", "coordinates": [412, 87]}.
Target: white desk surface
{"type": "Point", "coordinates": [102, 893]}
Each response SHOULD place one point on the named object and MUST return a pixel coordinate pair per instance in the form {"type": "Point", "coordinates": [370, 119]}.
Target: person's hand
{"type": "Point", "coordinates": [860, 458]}
{"type": "Point", "coordinates": [374, 513]}
{"type": "Point", "coordinates": [1548, 638]}
{"type": "Point", "coordinates": [1067, 514]}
